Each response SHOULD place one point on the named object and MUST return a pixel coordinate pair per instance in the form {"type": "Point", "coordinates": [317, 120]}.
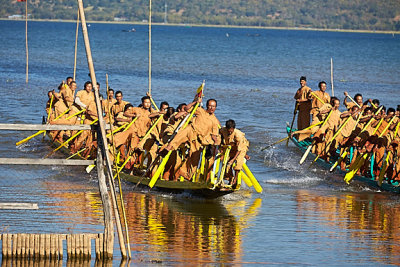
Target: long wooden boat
{"type": "Point", "coordinates": [368, 181]}
{"type": "Point", "coordinates": [201, 189]}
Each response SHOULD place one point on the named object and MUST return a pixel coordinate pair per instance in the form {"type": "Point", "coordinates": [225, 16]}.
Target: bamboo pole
{"type": "Point", "coordinates": [333, 92]}
{"type": "Point", "coordinates": [26, 40]}
{"type": "Point", "coordinates": [119, 180]}
{"type": "Point", "coordinates": [102, 133]}
{"type": "Point", "coordinates": [76, 43]}
{"type": "Point", "coordinates": [150, 47]}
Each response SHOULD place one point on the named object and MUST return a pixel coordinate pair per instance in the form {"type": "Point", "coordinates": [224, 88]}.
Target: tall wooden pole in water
{"type": "Point", "coordinates": [150, 47]}
{"type": "Point", "coordinates": [26, 40]}
{"type": "Point", "coordinates": [76, 43]}
{"type": "Point", "coordinates": [333, 93]}
{"type": "Point", "coordinates": [102, 145]}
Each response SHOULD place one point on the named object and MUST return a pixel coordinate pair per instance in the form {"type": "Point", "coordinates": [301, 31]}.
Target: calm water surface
{"type": "Point", "coordinates": [303, 217]}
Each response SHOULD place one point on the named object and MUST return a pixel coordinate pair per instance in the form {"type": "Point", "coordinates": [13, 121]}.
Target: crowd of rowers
{"type": "Point", "coordinates": [132, 137]}
{"type": "Point", "coordinates": [365, 128]}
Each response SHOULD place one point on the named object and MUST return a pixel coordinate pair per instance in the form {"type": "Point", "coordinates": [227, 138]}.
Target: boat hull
{"type": "Point", "coordinates": [199, 189]}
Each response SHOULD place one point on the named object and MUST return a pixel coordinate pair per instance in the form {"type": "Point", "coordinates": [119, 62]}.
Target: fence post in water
{"type": "Point", "coordinates": [102, 152]}
{"type": "Point", "coordinates": [37, 247]}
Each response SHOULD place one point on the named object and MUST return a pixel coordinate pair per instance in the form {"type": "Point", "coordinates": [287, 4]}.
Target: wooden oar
{"type": "Point", "coordinates": [50, 111]}
{"type": "Point", "coordinates": [288, 137]}
{"type": "Point", "coordinates": [43, 131]}
{"type": "Point", "coordinates": [149, 131]}
{"type": "Point", "coordinates": [319, 99]}
{"type": "Point", "coordinates": [50, 108]}
{"type": "Point", "coordinates": [386, 162]}
{"type": "Point", "coordinates": [358, 164]}
{"type": "Point", "coordinates": [352, 100]}
{"type": "Point", "coordinates": [69, 140]}
{"type": "Point", "coordinates": [154, 104]}
{"type": "Point", "coordinates": [223, 168]}
{"type": "Point", "coordinates": [126, 126]}
{"type": "Point", "coordinates": [217, 158]}
{"type": "Point", "coordinates": [294, 117]}
{"type": "Point", "coordinates": [304, 157]}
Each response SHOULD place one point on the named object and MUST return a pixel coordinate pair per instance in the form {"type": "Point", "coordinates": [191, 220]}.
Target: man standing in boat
{"type": "Point", "coordinates": [303, 104]}
{"type": "Point", "coordinates": [319, 99]}
{"type": "Point", "coordinates": [239, 147]}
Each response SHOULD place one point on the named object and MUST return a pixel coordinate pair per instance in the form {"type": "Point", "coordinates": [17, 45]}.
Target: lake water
{"type": "Point", "coordinates": [303, 217]}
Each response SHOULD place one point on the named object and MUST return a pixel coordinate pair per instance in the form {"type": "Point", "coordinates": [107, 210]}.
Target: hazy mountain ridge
{"type": "Point", "coordinates": [337, 14]}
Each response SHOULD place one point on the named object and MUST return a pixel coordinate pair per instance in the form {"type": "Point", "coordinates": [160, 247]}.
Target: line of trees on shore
{"type": "Point", "coordinates": [322, 14]}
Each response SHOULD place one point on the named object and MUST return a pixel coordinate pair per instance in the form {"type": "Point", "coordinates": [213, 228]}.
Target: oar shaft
{"type": "Point", "coordinates": [317, 97]}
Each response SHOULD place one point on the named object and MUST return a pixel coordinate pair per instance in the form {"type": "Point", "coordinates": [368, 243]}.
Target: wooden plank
{"type": "Point", "coordinates": [14, 245]}
{"type": "Point", "coordinates": [77, 246]}
{"type": "Point", "coordinates": [47, 127]}
{"type": "Point", "coordinates": [19, 245]}
{"type": "Point", "coordinates": [42, 241]}
{"type": "Point", "coordinates": [18, 206]}
{"type": "Point", "coordinates": [26, 161]}
{"type": "Point", "coordinates": [69, 246]}
{"type": "Point", "coordinates": [37, 247]}
{"type": "Point", "coordinates": [31, 245]}
{"type": "Point", "coordinates": [47, 246]}
{"type": "Point", "coordinates": [60, 247]}
{"type": "Point", "coordinates": [52, 247]}
{"type": "Point", "coordinates": [89, 246]}
{"type": "Point", "coordinates": [84, 247]}
{"type": "Point", "coordinates": [4, 250]}
{"type": "Point", "coordinates": [97, 247]}
{"type": "Point", "coordinates": [9, 245]}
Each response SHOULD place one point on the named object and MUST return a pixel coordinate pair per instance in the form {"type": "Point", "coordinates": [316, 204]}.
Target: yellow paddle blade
{"type": "Point", "coordinates": [253, 180]}
{"type": "Point", "coordinates": [29, 137]}
{"type": "Point", "coordinates": [245, 179]}
{"type": "Point", "coordinates": [304, 157]}
{"type": "Point", "coordinates": [350, 175]}
{"type": "Point", "coordinates": [340, 159]}
{"type": "Point", "coordinates": [90, 168]}
{"type": "Point", "coordinates": [214, 170]}
{"type": "Point", "coordinates": [224, 163]}
{"type": "Point", "coordinates": [384, 168]}
{"type": "Point", "coordinates": [239, 181]}
{"type": "Point", "coordinates": [160, 169]}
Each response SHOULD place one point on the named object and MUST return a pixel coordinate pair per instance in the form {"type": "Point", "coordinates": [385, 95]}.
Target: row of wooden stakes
{"type": "Point", "coordinates": [51, 246]}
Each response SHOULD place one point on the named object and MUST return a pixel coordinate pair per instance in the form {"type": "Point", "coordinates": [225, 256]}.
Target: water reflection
{"type": "Point", "coordinates": [186, 230]}
{"type": "Point", "coordinates": [370, 221]}
{"type": "Point", "coordinates": [162, 228]}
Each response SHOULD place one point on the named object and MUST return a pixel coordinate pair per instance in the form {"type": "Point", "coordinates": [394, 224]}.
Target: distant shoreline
{"type": "Point", "coordinates": [213, 26]}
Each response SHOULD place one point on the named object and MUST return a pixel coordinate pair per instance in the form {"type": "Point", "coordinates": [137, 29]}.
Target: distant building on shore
{"type": "Point", "coordinates": [18, 16]}
{"type": "Point", "coordinates": [120, 19]}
